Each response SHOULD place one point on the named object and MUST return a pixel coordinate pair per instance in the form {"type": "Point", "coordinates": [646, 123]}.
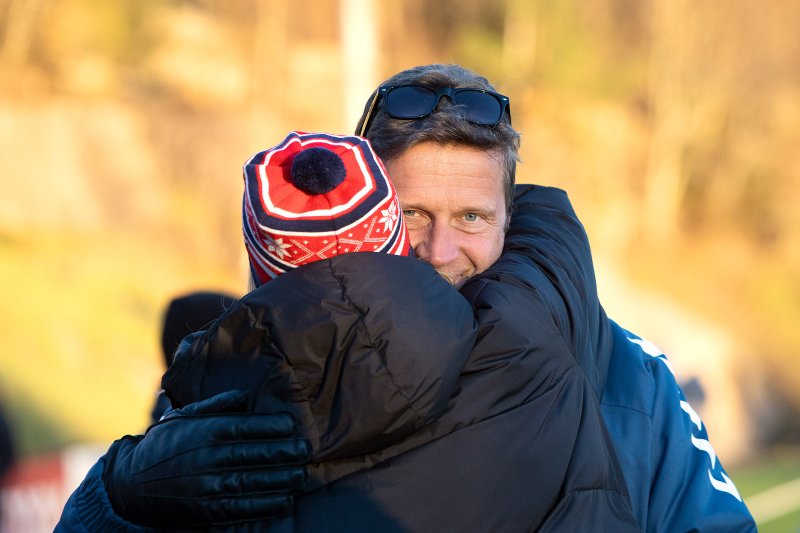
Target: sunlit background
{"type": "Point", "coordinates": [673, 124]}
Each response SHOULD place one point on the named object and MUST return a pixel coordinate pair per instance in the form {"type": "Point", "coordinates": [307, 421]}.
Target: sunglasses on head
{"type": "Point", "coordinates": [415, 101]}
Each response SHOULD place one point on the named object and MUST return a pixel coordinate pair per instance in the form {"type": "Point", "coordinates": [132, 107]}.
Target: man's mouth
{"type": "Point", "coordinates": [449, 279]}
{"type": "Point", "coordinates": [455, 280]}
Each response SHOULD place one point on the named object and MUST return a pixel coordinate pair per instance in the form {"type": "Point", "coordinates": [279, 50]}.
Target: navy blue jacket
{"type": "Point", "coordinates": [675, 479]}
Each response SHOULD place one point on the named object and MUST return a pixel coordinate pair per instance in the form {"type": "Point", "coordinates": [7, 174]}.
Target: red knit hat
{"type": "Point", "coordinates": [315, 196]}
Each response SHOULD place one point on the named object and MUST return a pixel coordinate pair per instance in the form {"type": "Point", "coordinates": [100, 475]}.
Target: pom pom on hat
{"type": "Point", "coordinates": [317, 170]}
{"type": "Point", "coordinates": [315, 196]}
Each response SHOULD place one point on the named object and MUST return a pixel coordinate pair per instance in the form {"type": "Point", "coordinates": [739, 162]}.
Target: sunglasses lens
{"type": "Point", "coordinates": [414, 101]}
{"type": "Point", "coordinates": [410, 101]}
{"type": "Point", "coordinates": [480, 107]}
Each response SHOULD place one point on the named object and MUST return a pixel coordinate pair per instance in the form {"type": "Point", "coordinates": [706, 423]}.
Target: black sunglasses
{"type": "Point", "coordinates": [415, 101]}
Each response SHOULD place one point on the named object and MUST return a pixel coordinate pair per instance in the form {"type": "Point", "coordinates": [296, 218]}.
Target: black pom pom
{"type": "Point", "coordinates": [317, 170]}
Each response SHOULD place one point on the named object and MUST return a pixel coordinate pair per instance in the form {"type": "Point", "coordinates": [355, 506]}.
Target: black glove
{"type": "Point", "coordinates": [208, 463]}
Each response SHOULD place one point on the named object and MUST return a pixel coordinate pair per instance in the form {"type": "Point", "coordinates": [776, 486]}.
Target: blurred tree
{"type": "Point", "coordinates": [519, 41]}
{"type": "Point", "coordinates": [358, 25]}
{"type": "Point", "coordinates": [20, 28]}
{"type": "Point", "coordinates": [674, 25]}
{"type": "Point", "coordinates": [268, 71]}
{"type": "Point", "coordinates": [714, 79]}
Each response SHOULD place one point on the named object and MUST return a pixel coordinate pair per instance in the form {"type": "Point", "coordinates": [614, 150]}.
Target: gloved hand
{"type": "Point", "coordinates": [208, 463]}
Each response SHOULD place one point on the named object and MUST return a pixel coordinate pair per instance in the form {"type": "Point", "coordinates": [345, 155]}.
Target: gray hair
{"type": "Point", "coordinates": [391, 137]}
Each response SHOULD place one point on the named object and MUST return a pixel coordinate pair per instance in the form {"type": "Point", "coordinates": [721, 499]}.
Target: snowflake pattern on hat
{"type": "Point", "coordinates": [388, 217]}
{"type": "Point", "coordinates": [277, 247]}
{"type": "Point", "coordinates": [356, 210]}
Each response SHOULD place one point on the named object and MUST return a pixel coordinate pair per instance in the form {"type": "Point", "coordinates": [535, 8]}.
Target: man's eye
{"type": "Point", "coordinates": [471, 217]}
{"type": "Point", "coordinates": [409, 213]}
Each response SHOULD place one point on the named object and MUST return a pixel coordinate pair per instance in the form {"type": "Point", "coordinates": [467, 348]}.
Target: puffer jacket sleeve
{"type": "Point", "coordinates": [546, 231]}
{"type": "Point", "coordinates": [576, 483]}
{"type": "Point", "coordinates": [89, 509]}
{"type": "Point", "coordinates": [539, 300]}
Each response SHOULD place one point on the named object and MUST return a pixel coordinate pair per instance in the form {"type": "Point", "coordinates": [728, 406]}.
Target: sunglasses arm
{"type": "Point", "coordinates": [368, 116]}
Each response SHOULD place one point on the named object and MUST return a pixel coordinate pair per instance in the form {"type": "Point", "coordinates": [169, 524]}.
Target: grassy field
{"type": "Point", "coordinates": [776, 469]}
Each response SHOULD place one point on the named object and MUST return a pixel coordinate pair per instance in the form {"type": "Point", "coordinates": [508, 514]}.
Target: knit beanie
{"type": "Point", "coordinates": [315, 196]}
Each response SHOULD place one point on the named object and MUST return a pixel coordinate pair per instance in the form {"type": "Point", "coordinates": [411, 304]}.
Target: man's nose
{"type": "Point", "coordinates": [439, 246]}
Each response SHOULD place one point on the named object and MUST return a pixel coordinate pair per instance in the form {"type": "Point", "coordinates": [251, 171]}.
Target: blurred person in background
{"type": "Point", "coordinates": [183, 315]}
{"type": "Point", "coordinates": [427, 129]}
{"type": "Point", "coordinates": [7, 448]}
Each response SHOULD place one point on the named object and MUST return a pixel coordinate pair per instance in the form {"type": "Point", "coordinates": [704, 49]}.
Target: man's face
{"type": "Point", "coordinates": [454, 206]}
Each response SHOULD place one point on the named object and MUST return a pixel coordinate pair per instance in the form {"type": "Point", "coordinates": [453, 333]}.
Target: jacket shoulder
{"type": "Point", "coordinates": [634, 375]}
{"type": "Point", "coordinates": [663, 445]}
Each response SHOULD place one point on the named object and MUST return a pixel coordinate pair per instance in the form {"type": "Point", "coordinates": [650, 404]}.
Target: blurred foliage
{"type": "Point", "coordinates": [673, 124]}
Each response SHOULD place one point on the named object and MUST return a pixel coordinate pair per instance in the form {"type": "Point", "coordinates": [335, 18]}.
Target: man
{"type": "Point", "coordinates": [674, 478]}
{"type": "Point", "coordinates": [457, 206]}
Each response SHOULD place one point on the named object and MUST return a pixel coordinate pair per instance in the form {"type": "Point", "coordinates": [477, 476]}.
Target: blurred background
{"type": "Point", "coordinates": [673, 124]}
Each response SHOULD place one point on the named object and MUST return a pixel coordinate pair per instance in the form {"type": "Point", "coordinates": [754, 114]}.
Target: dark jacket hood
{"type": "Point", "coordinates": [545, 230]}
{"type": "Point", "coordinates": [346, 345]}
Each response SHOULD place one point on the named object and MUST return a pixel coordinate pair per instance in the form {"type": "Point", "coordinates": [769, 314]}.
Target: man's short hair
{"type": "Point", "coordinates": [391, 137]}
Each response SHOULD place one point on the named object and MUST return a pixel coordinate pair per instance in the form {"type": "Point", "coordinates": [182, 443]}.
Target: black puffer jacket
{"type": "Point", "coordinates": [429, 409]}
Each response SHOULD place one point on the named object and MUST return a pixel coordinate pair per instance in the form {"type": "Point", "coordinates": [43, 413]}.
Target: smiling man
{"type": "Point", "coordinates": [454, 206]}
